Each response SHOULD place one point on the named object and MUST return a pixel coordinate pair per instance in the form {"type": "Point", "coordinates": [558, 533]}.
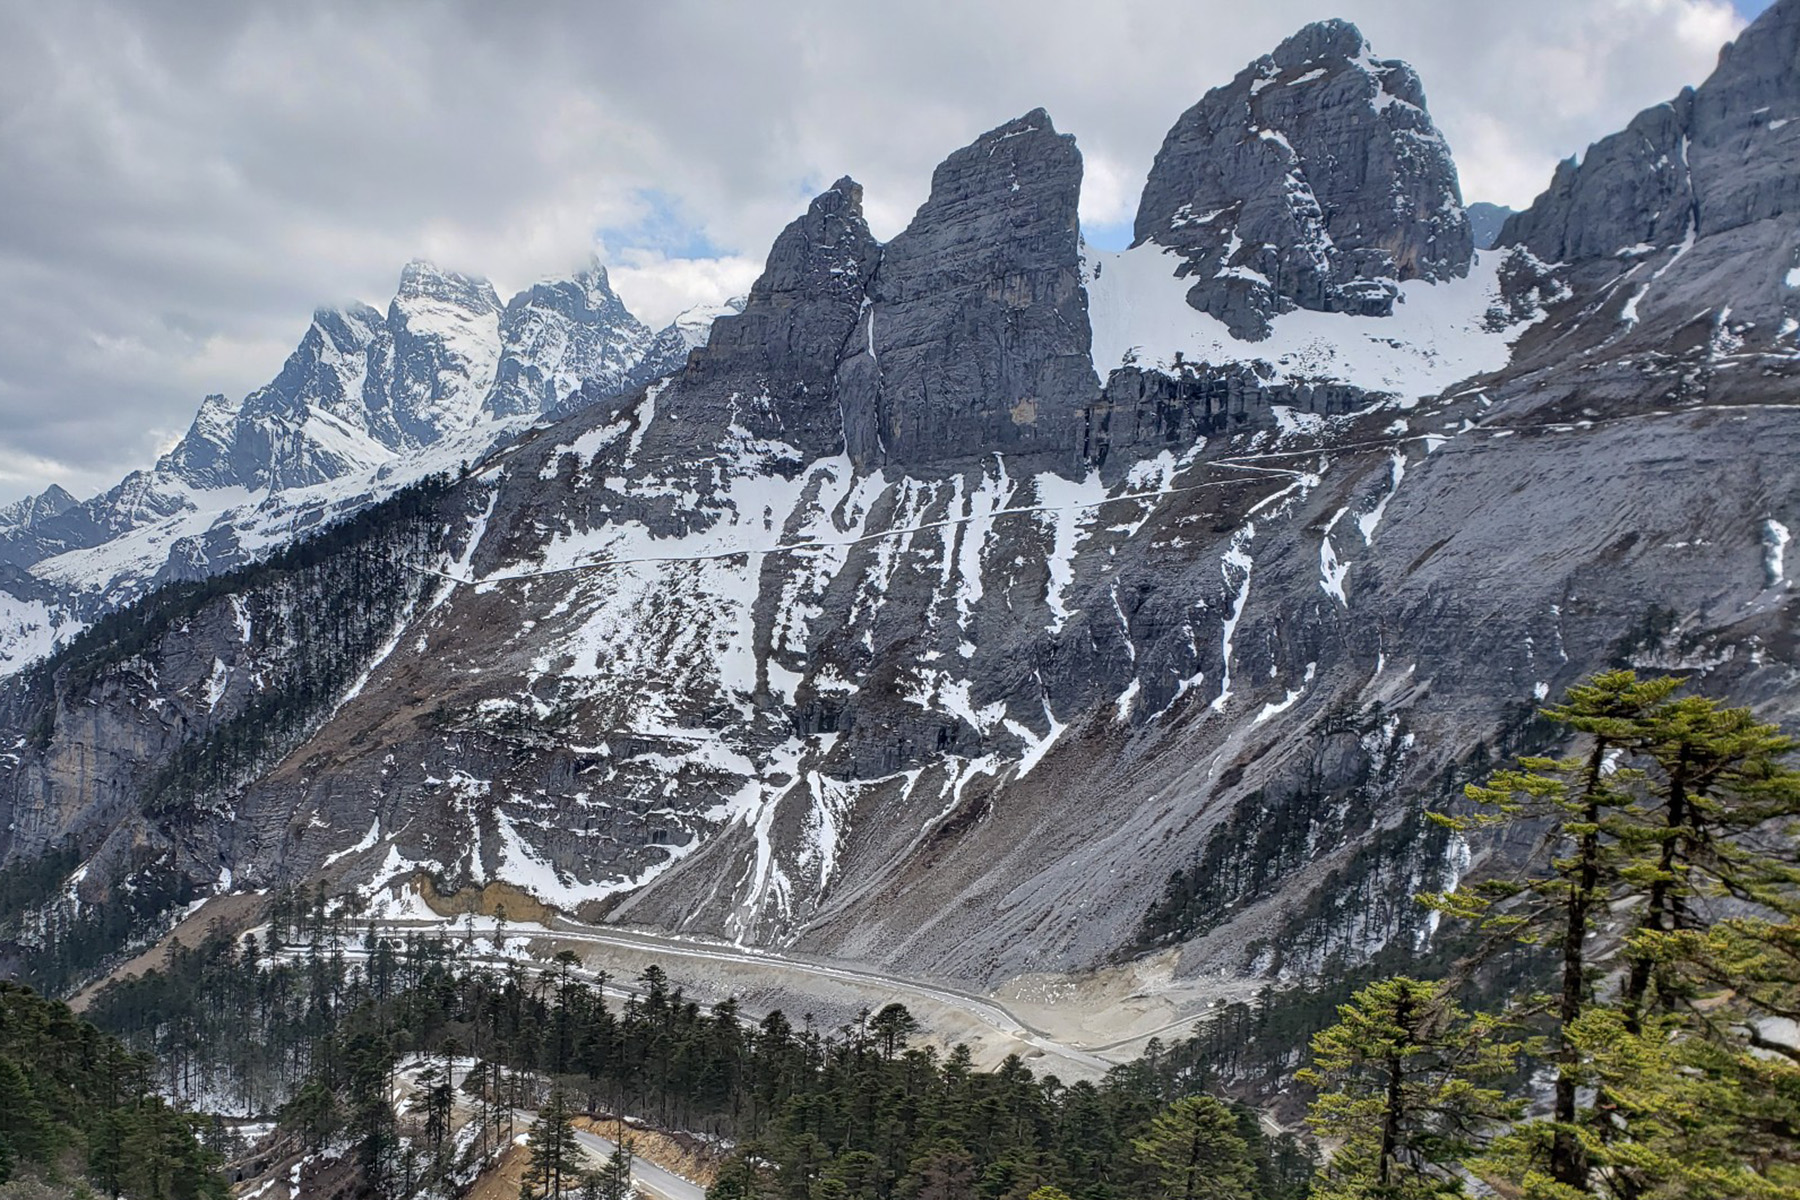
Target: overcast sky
{"type": "Point", "coordinates": [181, 184]}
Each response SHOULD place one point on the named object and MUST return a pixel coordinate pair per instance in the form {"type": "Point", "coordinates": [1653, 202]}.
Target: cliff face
{"type": "Point", "coordinates": [976, 337]}
{"type": "Point", "coordinates": [963, 590]}
{"type": "Point", "coordinates": [1313, 180]}
{"type": "Point", "coordinates": [1686, 217]}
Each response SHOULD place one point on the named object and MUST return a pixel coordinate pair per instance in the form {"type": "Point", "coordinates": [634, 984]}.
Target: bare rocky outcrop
{"type": "Point", "coordinates": [1687, 215]}
{"type": "Point", "coordinates": [976, 337]}
{"type": "Point", "coordinates": [1313, 180]}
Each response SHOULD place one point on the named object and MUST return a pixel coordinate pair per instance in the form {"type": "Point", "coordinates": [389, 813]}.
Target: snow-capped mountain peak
{"type": "Point", "coordinates": [368, 401]}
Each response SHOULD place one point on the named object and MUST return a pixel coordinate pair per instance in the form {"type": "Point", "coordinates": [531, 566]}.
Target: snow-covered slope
{"type": "Point", "coordinates": [1437, 334]}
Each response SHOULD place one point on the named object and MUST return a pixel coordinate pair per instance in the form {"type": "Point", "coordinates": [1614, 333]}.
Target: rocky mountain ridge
{"type": "Point", "coordinates": [1313, 180]}
{"type": "Point", "coordinates": [367, 403]}
{"type": "Point", "coordinates": [1685, 218]}
{"type": "Point", "coordinates": [969, 596]}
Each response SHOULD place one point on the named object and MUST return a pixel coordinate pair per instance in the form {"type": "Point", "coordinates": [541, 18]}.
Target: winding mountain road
{"type": "Point", "coordinates": [646, 1174]}
{"type": "Point", "coordinates": [882, 985]}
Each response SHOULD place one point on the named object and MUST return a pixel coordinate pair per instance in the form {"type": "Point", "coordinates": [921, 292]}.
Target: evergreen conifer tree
{"type": "Point", "coordinates": [1405, 1086]}
{"type": "Point", "coordinates": [1193, 1152]}
{"type": "Point", "coordinates": [555, 1165]}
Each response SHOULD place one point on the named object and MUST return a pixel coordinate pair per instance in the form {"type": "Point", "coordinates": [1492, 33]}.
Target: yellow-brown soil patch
{"type": "Point", "coordinates": [687, 1157]}
{"type": "Point", "coordinates": [491, 900]}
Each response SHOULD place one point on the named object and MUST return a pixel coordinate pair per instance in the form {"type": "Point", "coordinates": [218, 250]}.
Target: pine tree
{"type": "Point", "coordinates": [312, 1113]}
{"type": "Point", "coordinates": [615, 1176]}
{"type": "Point", "coordinates": [555, 1156]}
{"type": "Point", "coordinates": [1194, 1152]}
{"type": "Point", "coordinates": [1592, 806]}
{"type": "Point", "coordinates": [1720, 781]}
{"type": "Point", "coordinates": [1683, 1116]}
{"type": "Point", "coordinates": [1405, 1084]}
{"type": "Point", "coordinates": [891, 1027]}
{"type": "Point", "coordinates": [1674, 829]}
{"type": "Point", "coordinates": [26, 1129]}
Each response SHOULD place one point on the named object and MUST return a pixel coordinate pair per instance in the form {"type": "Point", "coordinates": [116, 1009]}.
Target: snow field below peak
{"type": "Point", "coordinates": [1438, 334]}
{"type": "Point", "coordinates": [260, 523]}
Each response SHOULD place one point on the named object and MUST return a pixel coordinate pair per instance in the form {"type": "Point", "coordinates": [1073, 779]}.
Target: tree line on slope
{"type": "Point", "coordinates": [1273, 833]}
{"type": "Point", "coordinates": [79, 1115]}
{"type": "Point", "coordinates": [307, 649]}
{"type": "Point", "coordinates": [854, 1111]}
{"type": "Point", "coordinates": [141, 626]}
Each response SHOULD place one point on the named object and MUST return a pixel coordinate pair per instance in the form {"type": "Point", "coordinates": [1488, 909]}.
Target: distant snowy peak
{"type": "Point", "coordinates": [51, 502]}
{"type": "Point", "coordinates": [260, 442]}
{"type": "Point", "coordinates": [668, 351]}
{"type": "Point", "coordinates": [695, 324]}
{"type": "Point", "coordinates": [368, 401]}
{"type": "Point", "coordinates": [561, 334]}
{"type": "Point", "coordinates": [446, 356]}
{"type": "Point", "coordinates": [424, 285]}
{"type": "Point", "coordinates": [1314, 180]}
{"type": "Point", "coordinates": [438, 358]}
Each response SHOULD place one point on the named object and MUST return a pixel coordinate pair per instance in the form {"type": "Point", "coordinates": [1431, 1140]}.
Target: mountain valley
{"type": "Point", "coordinates": [1086, 637]}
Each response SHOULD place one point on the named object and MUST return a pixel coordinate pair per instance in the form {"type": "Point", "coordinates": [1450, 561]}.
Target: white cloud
{"type": "Point", "coordinates": [182, 184]}
{"type": "Point", "coordinates": [657, 287]}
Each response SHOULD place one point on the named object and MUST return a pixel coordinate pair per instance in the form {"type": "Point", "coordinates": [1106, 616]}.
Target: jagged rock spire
{"type": "Point", "coordinates": [976, 338]}
{"type": "Point", "coordinates": [1315, 179]}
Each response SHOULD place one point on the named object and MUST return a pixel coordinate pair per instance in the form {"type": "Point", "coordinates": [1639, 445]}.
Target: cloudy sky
{"type": "Point", "coordinates": [181, 184]}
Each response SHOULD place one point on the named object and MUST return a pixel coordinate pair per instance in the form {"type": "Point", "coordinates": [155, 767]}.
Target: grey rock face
{"type": "Point", "coordinates": [1714, 159]}
{"type": "Point", "coordinates": [777, 356]}
{"type": "Point", "coordinates": [1141, 412]}
{"type": "Point", "coordinates": [1485, 223]}
{"type": "Point", "coordinates": [1632, 188]}
{"type": "Point", "coordinates": [1314, 180]}
{"type": "Point", "coordinates": [976, 336]}
{"type": "Point", "coordinates": [1688, 215]}
{"type": "Point", "coordinates": [965, 335]}
{"type": "Point", "coordinates": [1746, 127]}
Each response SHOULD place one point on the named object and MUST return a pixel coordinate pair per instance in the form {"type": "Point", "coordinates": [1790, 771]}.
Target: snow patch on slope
{"type": "Point", "coordinates": [259, 524]}
{"type": "Point", "coordinates": [30, 629]}
{"type": "Point", "coordinates": [1775, 538]}
{"type": "Point", "coordinates": [1438, 334]}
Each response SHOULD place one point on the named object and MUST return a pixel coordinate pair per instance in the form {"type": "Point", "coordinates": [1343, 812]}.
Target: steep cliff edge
{"type": "Point", "coordinates": [1683, 222]}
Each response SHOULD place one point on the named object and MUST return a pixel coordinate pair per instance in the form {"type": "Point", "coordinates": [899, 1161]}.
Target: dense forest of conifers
{"type": "Point", "coordinates": [305, 652]}
{"type": "Point", "coordinates": [303, 1015]}
{"type": "Point", "coordinates": [78, 1111]}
